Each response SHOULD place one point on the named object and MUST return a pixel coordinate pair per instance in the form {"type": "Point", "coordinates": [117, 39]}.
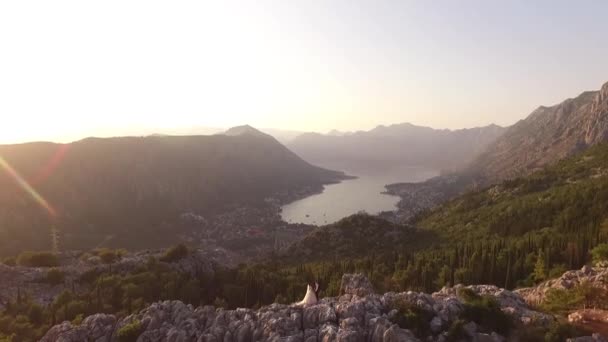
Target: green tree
{"type": "Point", "coordinates": [175, 253]}
{"type": "Point", "coordinates": [55, 276]}
{"type": "Point", "coordinates": [130, 332]}
{"type": "Point", "coordinates": [38, 259]}
{"type": "Point", "coordinates": [600, 253]}
{"type": "Point", "coordinates": [540, 267]}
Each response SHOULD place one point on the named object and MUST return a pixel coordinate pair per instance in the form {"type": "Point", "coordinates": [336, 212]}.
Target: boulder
{"type": "Point", "coordinates": [356, 284]}
{"type": "Point", "coordinates": [396, 334]}
{"type": "Point", "coordinates": [593, 338]}
{"type": "Point", "coordinates": [316, 315]}
{"type": "Point", "coordinates": [328, 333]}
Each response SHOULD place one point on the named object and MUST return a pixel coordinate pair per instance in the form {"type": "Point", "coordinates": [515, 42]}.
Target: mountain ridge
{"type": "Point", "coordinates": [100, 186]}
{"type": "Point", "coordinates": [396, 145]}
{"type": "Point", "coordinates": [548, 134]}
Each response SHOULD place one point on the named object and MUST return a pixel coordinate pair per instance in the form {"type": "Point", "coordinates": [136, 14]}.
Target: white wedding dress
{"type": "Point", "coordinates": [311, 297]}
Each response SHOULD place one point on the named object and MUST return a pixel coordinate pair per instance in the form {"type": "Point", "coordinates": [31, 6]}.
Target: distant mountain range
{"type": "Point", "coordinates": [395, 145]}
{"type": "Point", "coordinates": [133, 188]}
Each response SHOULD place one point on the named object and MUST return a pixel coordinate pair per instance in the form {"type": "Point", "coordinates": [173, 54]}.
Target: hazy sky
{"type": "Point", "coordinates": [75, 68]}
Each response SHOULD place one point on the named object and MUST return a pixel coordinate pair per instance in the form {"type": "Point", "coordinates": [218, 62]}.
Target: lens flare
{"type": "Point", "coordinates": [51, 165]}
{"type": "Point", "coordinates": [27, 187]}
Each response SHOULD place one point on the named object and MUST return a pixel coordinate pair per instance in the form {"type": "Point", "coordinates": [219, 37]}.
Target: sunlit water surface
{"type": "Point", "coordinates": [351, 196]}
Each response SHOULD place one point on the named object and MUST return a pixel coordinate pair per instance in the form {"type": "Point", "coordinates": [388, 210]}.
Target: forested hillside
{"type": "Point", "coordinates": [132, 190]}
{"type": "Point", "coordinates": [515, 234]}
{"type": "Point", "coordinates": [356, 236]}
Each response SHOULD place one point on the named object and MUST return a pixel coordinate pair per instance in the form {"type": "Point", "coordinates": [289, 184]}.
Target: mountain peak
{"type": "Point", "coordinates": [244, 130]}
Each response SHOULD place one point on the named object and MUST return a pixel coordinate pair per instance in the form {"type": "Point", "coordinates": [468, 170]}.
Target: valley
{"type": "Point", "coordinates": [87, 230]}
{"type": "Point", "coordinates": [303, 171]}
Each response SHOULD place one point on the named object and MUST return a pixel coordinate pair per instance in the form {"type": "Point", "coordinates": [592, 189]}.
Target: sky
{"type": "Point", "coordinates": [71, 69]}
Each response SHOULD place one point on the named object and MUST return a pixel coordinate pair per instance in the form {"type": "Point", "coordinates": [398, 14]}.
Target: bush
{"type": "Point", "coordinates": [220, 303]}
{"type": "Point", "coordinates": [55, 276]}
{"type": "Point", "coordinates": [456, 331]}
{"type": "Point", "coordinates": [107, 256]}
{"type": "Point", "coordinates": [584, 294]}
{"type": "Point", "coordinates": [413, 318]}
{"type": "Point", "coordinates": [468, 295]}
{"type": "Point", "coordinates": [600, 253]}
{"type": "Point", "coordinates": [175, 253]}
{"type": "Point", "coordinates": [38, 259]}
{"type": "Point", "coordinates": [130, 332]}
{"type": "Point", "coordinates": [557, 271]}
{"type": "Point", "coordinates": [485, 311]}
{"type": "Point", "coordinates": [90, 276]}
{"type": "Point", "coordinates": [36, 314]}
{"type": "Point", "coordinates": [561, 332]}
{"type": "Point", "coordinates": [9, 262]}
{"type": "Point", "coordinates": [281, 299]}
{"type": "Point", "coordinates": [78, 320]}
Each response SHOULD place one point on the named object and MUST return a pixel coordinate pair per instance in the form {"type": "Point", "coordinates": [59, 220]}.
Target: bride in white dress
{"type": "Point", "coordinates": [312, 291]}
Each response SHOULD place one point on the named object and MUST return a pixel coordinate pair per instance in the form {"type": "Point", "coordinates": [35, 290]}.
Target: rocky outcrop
{"type": "Point", "coordinates": [31, 280]}
{"type": "Point", "coordinates": [510, 302]}
{"type": "Point", "coordinates": [358, 314]}
{"type": "Point", "coordinates": [99, 327]}
{"type": "Point", "coordinates": [356, 285]}
{"type": "Point", "coordinates": [592, 338]}
{"type": "Point", "coordinates": [594, 276]}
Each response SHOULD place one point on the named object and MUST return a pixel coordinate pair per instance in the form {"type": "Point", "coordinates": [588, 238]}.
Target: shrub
{"type": "Point", "coordinates": [413, 318]}
{"type": "Point", "coordinates": [281, 299]}
{"type": "Point", "coordinates": [78, 319]}
{"type": "Point", "coordinates": [560, 300]}
{"type": "Point", "coordinates": [38, 259]}
{"type": "Point", "coordinates": [561, 332]}
{"type": "Point", "coordinates": [55, 276]}
{"type": "Point", "coordinates": [600, 252]}
{"type": "Point", "coordinates": [130, 332]}
{"type": "Point", "coordinates": [108, 256]}
{"type": "Point", "coordinates": [175, 253]}
{"type": "Point", "coordinates": [456, 331]}
{"type": "Point", "coordinates": [485, 311]}
{"type": "Point", "coordinates": [468, 295]}
{"type": "Point", "coordinates": [36, 314]}
{"type": "Point", "coordinates": [10, 262]}
{"type": "Point", "coordinates": [557, 271]}
{"type": "Point", "coordinates": [529, 333]}
{"type": "Point", "coordinates": [90, 276]}
{"type": "Point", "coordinates": [75, 308]}
{"type": "Point", "coordinates": [220, 303]}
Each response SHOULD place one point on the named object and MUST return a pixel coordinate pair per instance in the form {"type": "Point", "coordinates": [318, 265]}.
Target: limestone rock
{"type": "Point", "coordinates": [357, 316]}
{"type": "Point", "coordinates": [356, 284]}
{"type": "Point", "coordinates": [594, 276]}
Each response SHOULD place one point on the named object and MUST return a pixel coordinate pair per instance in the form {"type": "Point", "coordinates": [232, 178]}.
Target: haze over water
{"type": "Point", "coordinates": [351, 196]}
